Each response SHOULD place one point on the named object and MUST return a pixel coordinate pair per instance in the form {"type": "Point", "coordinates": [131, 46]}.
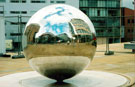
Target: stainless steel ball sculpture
{"type": "Point", "coordinates": [59, 41]}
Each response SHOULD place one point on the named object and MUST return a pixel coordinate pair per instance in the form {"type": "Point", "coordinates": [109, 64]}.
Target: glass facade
{"type": "Point", "coordinates": [105, 15]}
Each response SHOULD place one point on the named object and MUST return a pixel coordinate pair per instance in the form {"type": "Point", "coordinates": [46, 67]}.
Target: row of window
{"type": "Point", "coordinates": [109, 31]}
{"type": "Point", "coordinates": [99, 3]}
{"type": "Point", "coordinates": [15, 12]}
{"type": "Point", "coordinates": [130, 30]}
{"type": "Point", "coordinates": [32, 1]}
{"type": "Point", "coordinates": [130, 21]}
{"type": "Point", "coordinates": [38, 1]}
{"type": "Point", "coordinates": [100, 11]}
{"type": "Point", "coordinates": [16, 23]}
{"type": "Point", "coordinates": [57, 2]}
{"type": "Point", "coordinates": [111, 34]}
{"type": "Point", "coordinates": [18, 12]}
{"type": "Point", "coordinates": [105, 34]}
{"type": "Point", "coordinates": [1, 12]}
{"type": "Point", "coordinates": [18, 1]}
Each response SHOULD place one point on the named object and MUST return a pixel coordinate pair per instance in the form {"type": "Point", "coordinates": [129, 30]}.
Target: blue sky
{"type": "Point", "coordinates": [128, 3]}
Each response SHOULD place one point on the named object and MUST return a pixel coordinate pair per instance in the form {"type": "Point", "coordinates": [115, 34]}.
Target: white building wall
{"type": "Point", "coordinates": [31, 8]}
{"type": "Point", "coordinates": [2, 36]}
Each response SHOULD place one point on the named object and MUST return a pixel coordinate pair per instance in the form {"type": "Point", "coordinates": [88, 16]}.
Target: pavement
{"type": "Point", "coordinates": [122, 62]}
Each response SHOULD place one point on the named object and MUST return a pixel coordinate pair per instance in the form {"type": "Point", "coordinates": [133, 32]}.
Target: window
{"type": "Point", "coordinates": [60, 1]}
{"type": "Point", "coordinates": [37, 1]}
{"type": "Point", "coordinates": [18, 1]}
{"type": "Point", "coordinates": [1, 12]}
{"type": "Point", "coordinates": [15, 34]}
{"type": "Point", "coordinates": [83, 3]}
{"type": "Point", "coordinates": [23, 23]}
{"type": "Point", "coordinates": [14, 1]}
{"type": "Point", "coordinates": [15, 12]}
{"type": "Point", "coordinates": [51, 1]}
{"type": "Point", "coordinates": [2, 0]}
{"type": "Point", "coordinates": [18, 12]}
{"type": "Point", "coordinates": [128, 21]}
{"type": "Point", "coordinates": [102, 12]}
{"type": "Point", "coordinates": [110, 30]}
{"type": "Point", "coordinates": [17, 23]}
{"type": "Point", "coordinates": [111, 3]}
{"type": "Point", "coordinates": [101, 3]}
{"type": "Point", "coordinates": [91, 3]}
{"type": "Point", "coordinates": [24, 12]}
{"type": "Point", "coordinates": [112, 12]}
{"type": "Point", "coordinates": [23, 1]}
{"type": "Point", "coordinates": [133, 20]}
{"type": "Point", "coordinates": [132, 30]}
{"type": "Point", "coordinates": [129, 30]}
{"type": "Point", "coordinates": [100, 31]}
{"type": "Point", "coordinates": [98, 12]}
{"type": "Point", "coordinates": [92, 11]}
{"type": "Point", "coordinates": [14, 23]}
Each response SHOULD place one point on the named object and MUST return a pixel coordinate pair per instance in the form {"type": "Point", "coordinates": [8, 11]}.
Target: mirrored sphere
{"type": "Point", "coordinates": [59, 41]}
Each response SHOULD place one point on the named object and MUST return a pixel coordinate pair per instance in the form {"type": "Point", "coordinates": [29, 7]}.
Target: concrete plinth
{"type": "Point", "coordinates": [84, 79]}
{"type": "Point", "coordinates": [130, 46]}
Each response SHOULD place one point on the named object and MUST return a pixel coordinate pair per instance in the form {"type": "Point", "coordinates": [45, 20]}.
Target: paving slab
{"type": "Point", "coordinates": [123, 62]}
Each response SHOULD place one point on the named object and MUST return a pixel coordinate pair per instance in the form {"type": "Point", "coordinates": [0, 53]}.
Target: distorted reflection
{"type": "Point", "coordinates": [79, 30]}
{"type": "Point", "coordinates": [51, 38]}
{"type": "Point", "coordinates": [30, 33]}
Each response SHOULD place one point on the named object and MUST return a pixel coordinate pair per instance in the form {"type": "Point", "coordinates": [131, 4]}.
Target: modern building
{"type": "Point", "coordinates": [105, 15]}
{"type": "Point", "coordinates": [18, 12]}
{"type": "Point", "coordinates": [128, 22]}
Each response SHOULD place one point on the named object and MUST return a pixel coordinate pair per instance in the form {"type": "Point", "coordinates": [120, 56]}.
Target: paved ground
{"type": "Point", "coordinates": [122, 62]}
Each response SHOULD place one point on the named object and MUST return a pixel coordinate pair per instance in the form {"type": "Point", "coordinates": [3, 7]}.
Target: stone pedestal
{"type": "Point", "coordinates": [84, 79]}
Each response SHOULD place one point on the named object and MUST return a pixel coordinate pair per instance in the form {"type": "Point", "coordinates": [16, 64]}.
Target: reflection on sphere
{"type": "Point", "coordinates": [59, 43]}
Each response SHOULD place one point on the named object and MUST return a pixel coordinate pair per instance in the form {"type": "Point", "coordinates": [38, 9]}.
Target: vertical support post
{"type": "Point", "coordinates": [18, 35]}
{"type": "Point", "coordinates": [107, 45]}
{"type": "Point", "coordinates": [20, 55]}
{"type": "Point", "coordinates": [107, 36]}
{"type": "Point", "coordinates": [120, 20]}
{"type": "Point", "coordinates": [134, 22]}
